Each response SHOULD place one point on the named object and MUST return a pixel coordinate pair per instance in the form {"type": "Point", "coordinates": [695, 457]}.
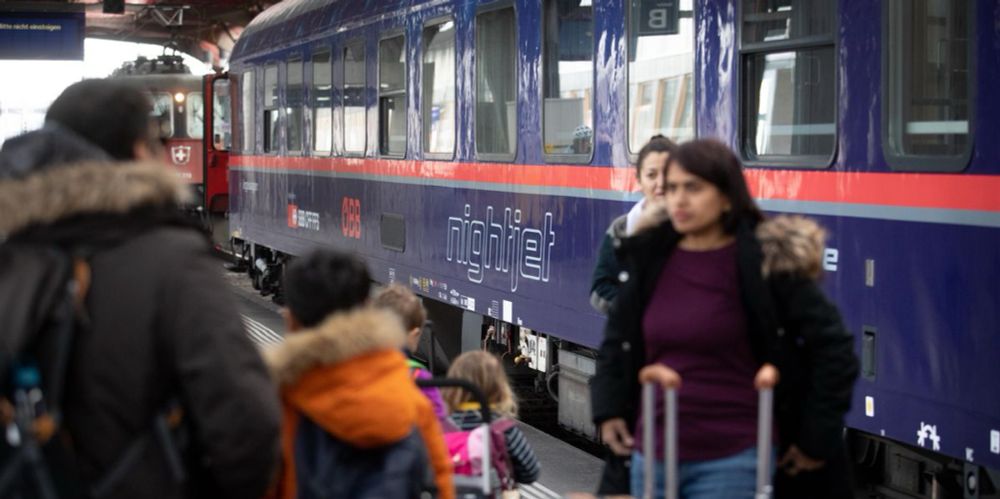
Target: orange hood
{"type": "Point", "coordinates": [348, 375]}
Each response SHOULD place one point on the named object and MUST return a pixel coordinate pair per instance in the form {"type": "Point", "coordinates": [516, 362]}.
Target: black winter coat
{"type": "Point", "coordinates": [790, 324]}
{"type": "Point", "coordinates": [162, 326]}
{"type": "Point", "coordinates": [605, 284]}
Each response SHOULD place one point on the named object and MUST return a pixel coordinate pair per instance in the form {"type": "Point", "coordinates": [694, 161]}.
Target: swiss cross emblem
{"type": "Point", "coordinates": [180, 154]}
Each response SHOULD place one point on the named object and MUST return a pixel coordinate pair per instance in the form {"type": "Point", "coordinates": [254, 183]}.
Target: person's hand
{"type": "Point", "coordinates": [767, 377]}
{"type": "Point", "coordinates": [614, 433]}
{"type": "Point", "coordinates": [654, 213]}
{"type": "Point", "coordinates": [795, 462]}
{"type": "Point", "coordinates": [660, 374]}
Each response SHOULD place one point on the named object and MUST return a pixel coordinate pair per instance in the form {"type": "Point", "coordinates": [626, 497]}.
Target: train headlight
{"type": "Point", "coordinates": [179, 97]}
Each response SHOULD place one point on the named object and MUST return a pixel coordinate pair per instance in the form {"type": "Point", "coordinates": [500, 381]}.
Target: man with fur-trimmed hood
{"type": "Point", "coordinates": [354, 423]}
{"type": "Point", "coordinates": [160, 325]}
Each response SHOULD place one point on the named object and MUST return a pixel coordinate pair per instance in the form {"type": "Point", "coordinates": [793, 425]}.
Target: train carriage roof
{"type": "Point", "coordinates": [292, 21]}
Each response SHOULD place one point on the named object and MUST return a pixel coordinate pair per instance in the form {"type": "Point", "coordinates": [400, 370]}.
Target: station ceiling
{"type": "Point", "coordinates": [205, 29]}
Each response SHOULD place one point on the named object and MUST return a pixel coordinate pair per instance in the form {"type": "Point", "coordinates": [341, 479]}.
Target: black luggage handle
{"type": "Point", "coordinates": [468, 386]}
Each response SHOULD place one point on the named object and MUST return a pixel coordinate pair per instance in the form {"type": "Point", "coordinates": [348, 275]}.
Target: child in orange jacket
{"type": "Point", "coordinates": [346, 390]}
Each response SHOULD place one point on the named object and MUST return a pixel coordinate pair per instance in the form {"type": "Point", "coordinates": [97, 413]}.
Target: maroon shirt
{"type": "Point", "coordinates": [695, 323]}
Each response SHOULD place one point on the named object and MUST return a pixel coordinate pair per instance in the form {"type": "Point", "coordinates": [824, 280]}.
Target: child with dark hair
{"type": "Point", "coordinates": [354, 423]}
{"type": "Point", "coordinates": [408, 307]}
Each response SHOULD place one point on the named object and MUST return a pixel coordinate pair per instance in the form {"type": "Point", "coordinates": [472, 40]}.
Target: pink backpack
{"type": "Point", "coordinates": [466, 451]}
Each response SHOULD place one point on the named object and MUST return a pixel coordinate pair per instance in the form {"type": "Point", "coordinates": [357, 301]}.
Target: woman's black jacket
{"type": "Point", "coordinates": [790, 324]}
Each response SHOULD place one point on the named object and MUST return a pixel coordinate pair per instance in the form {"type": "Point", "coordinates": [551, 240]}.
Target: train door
{"type": "Point", "coordinates": [218, 139]}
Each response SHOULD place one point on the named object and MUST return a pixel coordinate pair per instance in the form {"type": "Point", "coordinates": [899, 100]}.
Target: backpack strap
{"type": "Point", "coordinates": [503, 424]}
{"type": "Point", "coordinates": [29, 431]}
{"type": "Point", "coordinates": [503, 463]}
{"type": "Point", "coordinates": [164, 431]}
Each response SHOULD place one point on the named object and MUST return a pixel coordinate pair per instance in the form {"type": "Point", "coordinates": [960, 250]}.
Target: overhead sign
{"type": "Point", "coordinates": [657, 17]}
{"type": "Point", "coordinates": [42, 35]}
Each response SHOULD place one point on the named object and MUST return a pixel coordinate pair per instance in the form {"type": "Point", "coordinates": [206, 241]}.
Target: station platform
{"type": "Point", "coordinates": [565, 469]}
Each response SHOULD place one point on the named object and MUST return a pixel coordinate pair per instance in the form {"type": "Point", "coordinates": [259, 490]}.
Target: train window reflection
{"type": "Point", "coordinates": [774, 20]}
{"type": "Point", "coordinates": [392, 96]}
{"type": "Point", "coordinates": [221, 115]}
{"type": "Point", "coordinates": [496, 83]}
{"type": "Point", "coordinates": [247, 118]}
{"type": "Point", "coordinates": [270, 110]}
{"type": "Point", "coordinates": [163, 114]}
{"type": "Point", "coordinates": [660, 71]}
{"type": "Point", "coordinates": [790, 103]}
{"type": "Point", "coordinates": [195, 115]}
{"type": "Point", "coordinates": [569, 77]}
{"type": "Point", "coordinates": [789, 82]}
{"type": "Point", "coordinates": [438, 74]}
{"type": "Point", "coordinates": [928, 87]}
{"type": "Point", "coordinates": [294, 100]}
{"type": "Point", "coordinates": [322, 110]}
{"type": "Point", "coordinates": [271, 86]}
{"type": "Point", "coordinates": [355, 118]}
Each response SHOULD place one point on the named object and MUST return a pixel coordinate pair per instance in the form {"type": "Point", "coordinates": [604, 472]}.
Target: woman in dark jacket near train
{"type": "Point", "coordinates": [716, 293]}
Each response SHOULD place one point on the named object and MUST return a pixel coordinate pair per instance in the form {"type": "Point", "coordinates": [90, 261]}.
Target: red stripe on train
{"type": "Point", "coordinates": [920, 190]}
{"type": "Point", "coordinates": [578, 177]}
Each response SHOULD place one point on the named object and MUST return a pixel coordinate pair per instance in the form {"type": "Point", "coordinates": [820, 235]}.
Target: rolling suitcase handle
{"type": "Point", "coordinates": [653, 375]}
{"type": "Point", "coordinates": [650, 376]}
{"type": "Point", "coordinates": [765, 423]}
{"type": "Point", "coordinates": [484, 406]}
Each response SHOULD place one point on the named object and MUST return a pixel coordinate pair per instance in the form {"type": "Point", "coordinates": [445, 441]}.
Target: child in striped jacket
{"type": "Point", "coordinates": [485, 371]}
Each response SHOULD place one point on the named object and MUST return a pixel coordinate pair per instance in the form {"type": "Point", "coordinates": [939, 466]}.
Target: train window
{"type": "Point", "coordinates": [163, 113]}
{"type": "Point", "coordinates": [776, 20]}
{"type": "Point", "coordinates": [496, 84]}
{"type": "Point", "coordinates": [294, 102]}
{"type": "Point", "coordinates": [438, 74]}
{"type": "Point", "coordinates": [927, 88]}
{"type": "Point", "coordinates": [322, 110]}
{"type": "Point", "coordinates": [789, 81]}
{"type": "Point", "coordinates": [270, 108]}
{"type": "Point", "coordinates": [569, 78]}
{"type": "Point", "coordinates": [195, 115]}
{"type": "Point", "coordinates": [247, 119]}
{"type": "Point", "coordinates": [392, 96]}
{"type": "Point", "coordinates": [221, 115]}
{"type": "Point", "coordinates": [660, 71]}
{"type": "Point", "coordinates": [355, 115]}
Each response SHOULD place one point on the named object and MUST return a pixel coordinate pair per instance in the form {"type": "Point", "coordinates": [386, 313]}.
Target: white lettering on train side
{"type": "Point", "coordinates": [830, 259]}
{"type": "Point", "coordinates": [503, 247]}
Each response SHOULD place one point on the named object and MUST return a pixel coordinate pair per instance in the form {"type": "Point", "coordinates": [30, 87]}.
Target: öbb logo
{"type": "Point", "coordinates": [350, 218]}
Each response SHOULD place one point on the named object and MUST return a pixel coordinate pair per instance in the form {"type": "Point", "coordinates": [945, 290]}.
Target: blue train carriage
{"type": "Point", "coordinates": [477, 151]}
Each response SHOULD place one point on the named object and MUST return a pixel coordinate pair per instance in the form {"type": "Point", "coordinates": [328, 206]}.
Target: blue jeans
{"type": "Point", "coordinates": [732, 477]}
